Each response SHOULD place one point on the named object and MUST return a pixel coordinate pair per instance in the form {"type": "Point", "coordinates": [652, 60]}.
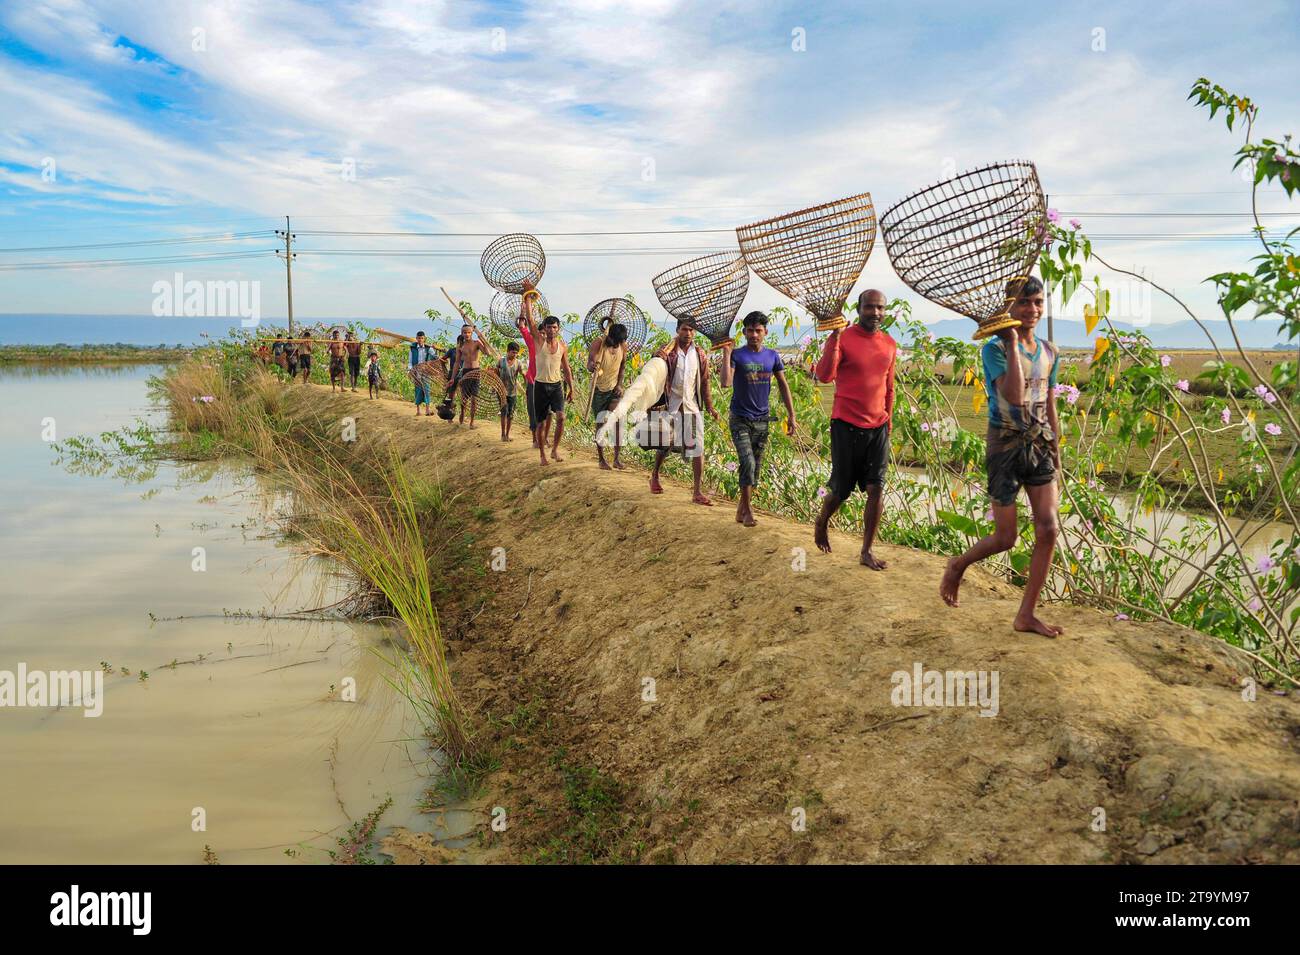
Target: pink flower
{"type": "Point", "coordinates": [1183, 384]}
{"type": "Point", "coordinates": [731, 466]}
{"type": "Point", "coordinates": [1265, 394]}
{"type": "Point", "coordinates": [821, 492]}
{"type": "Point", "coordinates": [1165, 361]}
{"type": "Point", "coordinates": [1272, 429]}
{"type": "Point", "coordinates": [1121, 616]}
{"type": "Point", "coordinates": [1255, 605]}
{"type": "Point", "coordinates": [1225, 415]}
{"type": "Point", "coordinates": [925, 426]}
{"type": "Point", "coordinates": [1265, 564]}
{"type": "Point", "coordinates": [1076, 224]}
{"type": "Point", "coordinates": [1053, 216]}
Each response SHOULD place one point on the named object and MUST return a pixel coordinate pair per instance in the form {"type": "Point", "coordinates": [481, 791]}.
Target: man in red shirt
{"type": "Point", "coordinates": [860, 360]}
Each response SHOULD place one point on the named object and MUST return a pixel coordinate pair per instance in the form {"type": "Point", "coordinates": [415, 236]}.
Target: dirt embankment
{"type": "Point", "coordinates": [772, 688]}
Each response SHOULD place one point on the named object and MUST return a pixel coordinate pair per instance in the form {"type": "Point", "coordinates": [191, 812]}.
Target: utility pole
{"type": "Point", "coordinates": [288, 267]}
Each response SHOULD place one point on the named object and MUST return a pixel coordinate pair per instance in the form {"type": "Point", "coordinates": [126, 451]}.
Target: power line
{"type": "Point", "coordinates": [215, 237]}
{"type": "Point", "coordinates": [114, 263]}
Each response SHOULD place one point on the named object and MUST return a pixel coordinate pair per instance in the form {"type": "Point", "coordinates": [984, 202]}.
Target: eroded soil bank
{"type": "Point", "coordinates": [772, 689]}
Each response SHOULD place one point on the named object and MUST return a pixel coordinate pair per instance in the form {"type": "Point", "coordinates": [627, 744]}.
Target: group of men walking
{"type": "Point", "coordinates": [860, 360]}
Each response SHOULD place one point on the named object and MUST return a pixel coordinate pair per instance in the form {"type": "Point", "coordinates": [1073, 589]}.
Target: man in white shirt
{"type": "Point", "coordinates": [686, 384]}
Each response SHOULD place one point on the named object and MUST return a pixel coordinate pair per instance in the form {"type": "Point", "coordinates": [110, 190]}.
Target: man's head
{"type": "Point", "coordinates": [617, 335]}
{"type": "Point", "coordinates": [551, 327]}
{"type": "Point", "coordinates": [349, 336]}
{"type": "Point", "coordinates": [1027, 307]}
{"type": "Point", "coordinates": [335, 334]}
{"type": "Point", "coordinates": [685, 332]}
{"type": "Point", "coordinates": [755, 328]}
{"type": "Point", "coordinates": [419, 338]}
{"type": "Point", "coordinates": [871, 309]}
{"type": "Point", "coordinates": [466, 332]}
{"type": "Point", "coordinates": [374, 354]}
{"type": "Point", "coordinates": [512, 350]}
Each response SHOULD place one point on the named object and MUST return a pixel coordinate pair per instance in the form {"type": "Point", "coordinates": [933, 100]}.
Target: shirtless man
{"type": "Point", "coordinates": [467, 356]}
{"type": "Point", "coordinates": [337, 350]}
{"type": "Point", "coordinates": [354, 357]}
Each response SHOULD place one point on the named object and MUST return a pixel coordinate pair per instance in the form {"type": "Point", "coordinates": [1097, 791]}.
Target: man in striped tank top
{"type": "Point", "coordinates": [1023, 451]}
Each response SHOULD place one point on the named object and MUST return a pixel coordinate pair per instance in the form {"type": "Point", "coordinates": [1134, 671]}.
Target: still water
{"type": "Point", "coordinates": [248, 731]}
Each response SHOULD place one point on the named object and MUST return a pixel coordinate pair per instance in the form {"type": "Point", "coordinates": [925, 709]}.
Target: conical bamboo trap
{"type": "Point", "coordinates": [968, 243]}
{"type": "Point", "coordinates": [618, 311]}
{"type": "Point", "coordinates": [707, 290]}
{"type": "Point", "coordinates": [506, 307]}
{"type": "Point", "coordinates": [814, 255]}
{"type": "Point", "coordinates": [514, 263]}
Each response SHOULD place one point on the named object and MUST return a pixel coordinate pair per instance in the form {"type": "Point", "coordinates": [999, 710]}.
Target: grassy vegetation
{"type": "Point", "coordinates": [83, 354]}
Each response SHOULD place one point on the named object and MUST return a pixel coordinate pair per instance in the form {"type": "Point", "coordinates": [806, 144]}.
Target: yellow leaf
{"type": "Point", "coordinates": [1074, 568]}
{"type": "Point", "coordinates": [953, 494]}
{"type": "Point", "coordinates": [1098, 467]}
{"type": "Point", "coordinates": [1220, 475]}
{"type": "Point", "coordinates": [1250, 416]}
{"type": "Point", "coordinates": [1111, 381]}
{"type": "Point", "coordinates": [977, 400]}
{"type": "Point", "coordinates": [1090, 318]}
{"type": "Point", "coordinates": [1099, 347]}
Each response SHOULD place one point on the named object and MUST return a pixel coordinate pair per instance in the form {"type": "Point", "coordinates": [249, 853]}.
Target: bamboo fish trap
{"type": "Point", "coordinates": [707, 290]}
{"type": "Point", "coordinates": [969, 243]}
{"type": "Point", "coordinates": [514, 263]}
{"type": "Point", "coordinates": [814, 255]}
{"type": "Point", "coordinates": [618, 311]}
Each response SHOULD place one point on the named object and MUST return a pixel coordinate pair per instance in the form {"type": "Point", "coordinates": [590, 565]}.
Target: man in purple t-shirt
{"type": "Point", "coordinates": [752, 369]}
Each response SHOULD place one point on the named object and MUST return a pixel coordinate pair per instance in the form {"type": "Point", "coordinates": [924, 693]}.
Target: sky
{"type": "Point", "coordinates": [128, 121]}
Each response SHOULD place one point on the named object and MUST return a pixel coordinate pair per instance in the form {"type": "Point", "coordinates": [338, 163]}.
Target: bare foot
{"type": "Point", "coordinates": [951, 581]}
{"type": "Point", "coordinates": [604, 465]}
{"type": "Point", "coordinates": [620, 465]}
{"type": "Point", "coordinates": [655, 486]}
{"type": "Point", "coordinates": [870, 560]}
{"type": "Point", "coordinates": [555, 454]}
{"type": "Point", "coordinates": [820, 537]}
{"type": "Point", "coordinates": [700, 498]}
{"type": "Point", "coordinates": [472, 425]}
{"type": "Point", "coordinates": [544, 461]}
{"type": "Point", "coordinates": [1032, 624]}
{"type": "Point", "coordinates": [740, 516]}
{"type": "Point", "coordinates": [749, 520]}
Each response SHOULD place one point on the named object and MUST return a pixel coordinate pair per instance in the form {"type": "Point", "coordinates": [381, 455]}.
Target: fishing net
{"type": "Point", "coordinates": [708, 290]}
{"type": "Point", "coordinates": [618, 311]}
{"type": "Point", "coordinates": [815, 255]}
{"type": "Point", "coordinates": [506, 307]}
{"type": "Point", "coordinates": [968, 243]}
{"type": "Point", "coordinates": [514, 263]}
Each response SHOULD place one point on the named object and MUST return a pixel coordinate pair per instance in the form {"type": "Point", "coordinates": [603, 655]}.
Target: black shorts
{"type": "Point", "coordinates": [1011, 466]}
{"type": "Point", "coordinates": [859, 457]}
{"type": "Point", "coordinates": [304, 362]}
{"type": "Point", "coordinates": [354, 365]}
{"type": "Point", "coordinates": [548, 396]}
{"type": "Point", "coordinates": [336, 367]}
{"type": "Point", "coordinates": [530, 400]}
{"type": "Point", "coordinates": [508, 407]}
{"type": "Point", "coordinates": [469, 387]}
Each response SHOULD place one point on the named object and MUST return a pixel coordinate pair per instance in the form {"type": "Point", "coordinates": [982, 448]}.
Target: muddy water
{"type": "Point", "coordinates": [249, 727]}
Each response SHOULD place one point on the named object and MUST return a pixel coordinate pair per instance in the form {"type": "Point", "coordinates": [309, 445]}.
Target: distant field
{"type": "Point", "coordinates": [81, 354]}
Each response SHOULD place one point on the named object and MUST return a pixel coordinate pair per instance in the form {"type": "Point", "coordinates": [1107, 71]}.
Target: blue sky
{"type": "Point", "coordinates": [176, 119]}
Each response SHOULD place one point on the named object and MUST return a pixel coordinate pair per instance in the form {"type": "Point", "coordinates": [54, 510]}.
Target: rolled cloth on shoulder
{"type": "Point", "coordinates": [637, 399]}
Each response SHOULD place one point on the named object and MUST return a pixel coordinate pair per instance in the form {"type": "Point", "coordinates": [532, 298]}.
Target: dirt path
{"type": "Point", "coordinates": [772, 684]}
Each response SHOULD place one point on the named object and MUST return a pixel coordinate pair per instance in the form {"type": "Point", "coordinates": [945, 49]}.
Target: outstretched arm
{"type": "Point", "coordinates": [787, 399]}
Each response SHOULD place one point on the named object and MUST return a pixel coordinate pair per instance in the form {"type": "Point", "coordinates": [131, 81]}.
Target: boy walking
{"type": "Point", "coordinates": [509, 370]}
{"type": "Point", "coordinates": [304, 356]}
{"type": "Point", "coordinates": [860, 360]}
{"type": "Point", "coordinates": [336, 350]}
{"type": "Point", "coordinates": [1023, 451]}
{"type": "Point", "coordinates": [420, 353]}
{"type": "Point", "coordinates": [373, 374]}
{"type": "Point", "coordinates": [749, 372]}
